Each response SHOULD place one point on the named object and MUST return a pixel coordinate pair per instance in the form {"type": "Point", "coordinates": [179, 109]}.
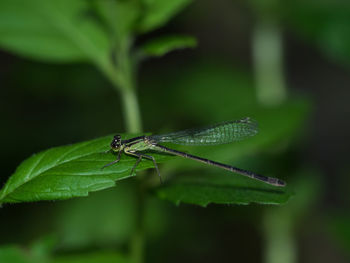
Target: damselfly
{"type": "Point", "coordinates": [221, 133]}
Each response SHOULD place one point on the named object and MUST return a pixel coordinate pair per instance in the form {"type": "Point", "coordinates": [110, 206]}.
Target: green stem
{"type": "Point", "coordinates": [137, 242]}
{"type": "Point", "coordinates": [123, 77]}
{"type": "Point", "coordinates": [131, 111]}
{"type": "Point", "coordinates": [271, 90]}
{"type": "Point", "coordinates": [268, 63]}
{"type": "Point", "coordinates": [279, 238]}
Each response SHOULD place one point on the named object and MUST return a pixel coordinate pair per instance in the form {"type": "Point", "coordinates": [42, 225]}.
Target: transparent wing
{"type": "Point", "coordinates": [221, 133]}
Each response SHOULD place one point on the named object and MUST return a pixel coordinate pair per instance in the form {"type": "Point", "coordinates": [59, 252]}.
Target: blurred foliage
{"type": "Point", "coordinates": [324, 24]}
{"type": "Point", "coordinates": [84, 222]}
{"type": "Point", "coordinates": [68, 31]}
{"type": "Point", "coordinates": [102, 257]}
{"type": "Point", "coordinates": [15, 254]}
{"type": "Point", "coordinates": [280, 225]}
{"type": "Point", "coordinates": [51, 31]}
{"type": "Point", "coordinates": [162, 45]}
{"type": "Point", "coordinates": [339, 226]}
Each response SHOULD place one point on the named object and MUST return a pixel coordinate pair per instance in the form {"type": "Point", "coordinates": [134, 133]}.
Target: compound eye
{"type": "Point", "coordinates": [116, 142]}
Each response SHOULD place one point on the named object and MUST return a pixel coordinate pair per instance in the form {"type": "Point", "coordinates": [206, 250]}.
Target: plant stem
{"type": "Point", "coordinates": [123, 77]}
{"type": "Point", "coordinates": [133, 125]}
{"type": "Point", "coordinates": [132, 119]}
{"type": "Point", "coordinates": [137, 242]}
{"type": "Point", "coordinates": [271, 90]}
{"type": "Point", "coordinates": [131, 111]}
{"type": "Point", "coordinates": [279, 238]}
{"type": "Point", "coordinates": [268, 63]}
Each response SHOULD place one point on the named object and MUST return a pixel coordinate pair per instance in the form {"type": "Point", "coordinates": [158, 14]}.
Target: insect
{"type": "Point", "coordinates": [221, 133]}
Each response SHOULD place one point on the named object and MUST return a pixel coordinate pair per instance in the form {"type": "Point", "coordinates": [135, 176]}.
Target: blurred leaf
{"type": "Point", "coordinates": [94, 257]}
{"type": "Point", "coordinates": [165, 44]}
{"type": "Point", "coordinates": [221, 189]}
{"type": "Point", "coordinates": [14, 254]}
{"type": "Point", "coordinates": [68, 171]}
{"type": "Point", "coordinates": [84, 222]}
{"type": "Point", "coordinates": [325, 23]}
{"type": "Point", "coordinates": [119, 15]}
{"type": "Point", "coordinates": [44, 246]}
{"type": "Point", "coordinates": [159, 12]}
{"type": "Point", "coordinates": [53, 31]}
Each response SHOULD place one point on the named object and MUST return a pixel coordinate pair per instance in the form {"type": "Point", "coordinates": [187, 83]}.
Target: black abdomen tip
{"type": "Point", "coordinates": [277, 182]}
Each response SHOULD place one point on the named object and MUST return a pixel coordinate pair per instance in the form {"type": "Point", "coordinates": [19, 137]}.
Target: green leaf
{"type": "Point", "coordinates": [69, 171]}
{"type": "Point", "coordinates": [165, 44]}
{"type": "Point", "coordinates": [14, 254]}
{"type": "Point", "coordinates": [92, 257]}
{"type": "Point", "coordinates": [52, 31]}
{"type": "Point", "coordinates": [159, 12]}
{"type": "Point", "coordinates": [221, 188]}
{"type": "Point", "coordinates": [120, 16]}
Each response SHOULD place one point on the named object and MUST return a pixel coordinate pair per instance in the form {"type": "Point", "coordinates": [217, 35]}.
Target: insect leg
{"type": "Point", "coordinates": [136, 164]}
{"type": "Point", "coordinates": [117, 160]}
{"type": "Point", "coordinates": [147, 157]}
{"type": "Point", "coordinates": [155, 165]}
